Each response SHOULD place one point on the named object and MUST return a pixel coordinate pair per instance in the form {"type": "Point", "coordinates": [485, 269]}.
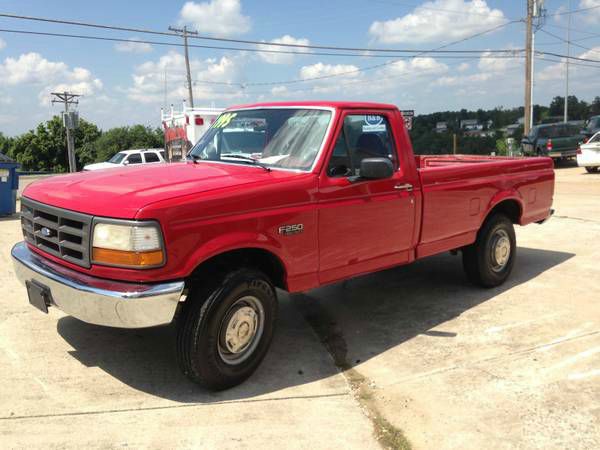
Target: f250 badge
{"type": "Point", "coordinates": [287, 230]}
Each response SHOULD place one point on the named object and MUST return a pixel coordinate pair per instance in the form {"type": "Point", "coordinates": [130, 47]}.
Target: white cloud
{"type": "Point", "coordinates": [436, 21]}
{"type": "Point", "coordinates": [556, 71]}
{"type": "Point", "coordinates": [327, 70]}
{"type": "Point", "coordinates": [133, 47]}
{"type": "Point", "coordinates": [283, 58]}
{"type": "Point", "coordinates": [32, 68]}
{"type": "Point", "coordinates": [2, 43]}
{"type": "Point", "coordinates": [329, 77]}
{"type": "Point", "coordinates": [489, 63]}
{"type": "Point", "coordinates": [217, 17]}
{"type": "Point", "coordinates": [279, 91]}
{"type": "Point", "coordinates": [593, 15]}
{"type": "Point", "coordinates": [463, 67]}
{"type": "Point", "coordinates": [149, 79]}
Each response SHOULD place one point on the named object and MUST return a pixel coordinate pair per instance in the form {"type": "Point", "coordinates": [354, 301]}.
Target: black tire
{"type": "Point", "coordinates": [479, 259]}
{"type": "Point", "coordinates": [591, 169]}
{"type": "Point", "coordinates": [202, 350]}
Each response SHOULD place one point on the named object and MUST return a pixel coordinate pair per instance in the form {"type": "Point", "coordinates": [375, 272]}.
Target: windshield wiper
{"type": "Point", "coordinates": [194, 158]}
{"type": "Point", "coordinates": [246, 158]}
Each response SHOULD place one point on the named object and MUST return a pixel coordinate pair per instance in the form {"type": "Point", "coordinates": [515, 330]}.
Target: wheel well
{"type": "Point", "coordinates": [255, 258]}
{"type": "Point", "coordinates": [510, 208]}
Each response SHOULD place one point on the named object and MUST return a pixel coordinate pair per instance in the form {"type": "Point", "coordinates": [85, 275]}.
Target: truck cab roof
{"type": "Point", "coordinates": [317, 104]}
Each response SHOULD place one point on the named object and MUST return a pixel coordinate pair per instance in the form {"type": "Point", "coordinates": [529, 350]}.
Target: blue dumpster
{"type": "Point", "coordinates": [9, 183]}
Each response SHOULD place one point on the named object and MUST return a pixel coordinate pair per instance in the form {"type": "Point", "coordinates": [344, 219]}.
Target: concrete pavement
{"type": "Point", "coordinates": [417, 347]}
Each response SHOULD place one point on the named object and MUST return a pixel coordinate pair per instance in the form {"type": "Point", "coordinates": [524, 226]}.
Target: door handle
{"type": "Point", "coordinates": [404, 187]}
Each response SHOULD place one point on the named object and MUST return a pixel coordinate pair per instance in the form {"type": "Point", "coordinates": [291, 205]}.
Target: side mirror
{"type": "Point", "coordinates": [376, 168]}
{"type": "Point", "coordinates": [125, 162]}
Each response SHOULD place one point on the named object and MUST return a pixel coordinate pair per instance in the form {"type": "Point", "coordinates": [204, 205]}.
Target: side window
{"type": "Point", "coordinates": [135, 158]}
{"type": "Point", "coordinates": [362, 136]}
{"type": "Point", "coordinates": [162, 153]}
{"type": "Point", "coordinates": [151, 157]}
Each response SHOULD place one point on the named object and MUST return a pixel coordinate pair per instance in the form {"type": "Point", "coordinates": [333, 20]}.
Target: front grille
{"type": "Point", "coordinates": [60, 232]}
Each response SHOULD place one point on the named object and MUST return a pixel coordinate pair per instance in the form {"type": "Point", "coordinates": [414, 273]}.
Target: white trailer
{"type": "Point", "coordinates": [184, 128]}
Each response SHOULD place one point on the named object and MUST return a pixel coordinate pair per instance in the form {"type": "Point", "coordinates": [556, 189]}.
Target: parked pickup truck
{"type": "Point", "coordinates": [557, 140]}
{"type": "Point", "coordinates": [332, 192]}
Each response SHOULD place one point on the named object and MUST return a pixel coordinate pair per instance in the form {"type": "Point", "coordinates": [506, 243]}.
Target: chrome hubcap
{"type": "Point", "coordinates": [241, 330]}
{"type": "Point", "coordinates": [500, 250]}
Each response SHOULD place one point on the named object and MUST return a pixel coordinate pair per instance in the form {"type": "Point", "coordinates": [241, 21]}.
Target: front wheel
{"type": "Point", "coordinates": [490, 259]}
{"type": "Point", "coordinates": [224, 331]}
{"type": "Point", "coordinates": [591, 169]}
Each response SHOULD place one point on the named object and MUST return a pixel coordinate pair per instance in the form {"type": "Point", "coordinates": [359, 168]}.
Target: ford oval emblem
{"type": "Point", "coordinates": [46, 232]}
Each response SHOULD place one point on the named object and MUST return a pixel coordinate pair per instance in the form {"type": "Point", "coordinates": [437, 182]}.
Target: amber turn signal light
{"type": "Point", "coordinates": [125, 258]}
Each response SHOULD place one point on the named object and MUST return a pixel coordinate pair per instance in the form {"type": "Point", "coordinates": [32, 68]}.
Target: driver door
{"type": "Point", "coordinates": [364, 225]}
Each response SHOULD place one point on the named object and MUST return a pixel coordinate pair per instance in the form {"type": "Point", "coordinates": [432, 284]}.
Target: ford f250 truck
{"type": "Point", "coordinates": [274, 195]}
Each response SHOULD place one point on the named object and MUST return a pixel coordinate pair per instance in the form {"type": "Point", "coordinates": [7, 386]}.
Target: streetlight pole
{"type": "Point", "coordinates": [528, 68]}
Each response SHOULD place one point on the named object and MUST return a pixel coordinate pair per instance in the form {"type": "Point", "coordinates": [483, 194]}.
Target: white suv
{"type": "Point", "coordinates": [129, 157]}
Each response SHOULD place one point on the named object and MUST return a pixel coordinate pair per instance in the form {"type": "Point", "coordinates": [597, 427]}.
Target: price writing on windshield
{"type": "Point", "coordinates": [224, 120]}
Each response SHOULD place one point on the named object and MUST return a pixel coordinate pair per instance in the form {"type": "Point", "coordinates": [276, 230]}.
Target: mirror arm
{"type": "Point", "coordinates": [355, 178]}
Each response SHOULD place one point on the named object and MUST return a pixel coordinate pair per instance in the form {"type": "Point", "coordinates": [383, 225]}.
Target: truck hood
{"type": "Point", "coordinates": [101, 165]}
{"type": "Point", "coordinates": [122, 192]}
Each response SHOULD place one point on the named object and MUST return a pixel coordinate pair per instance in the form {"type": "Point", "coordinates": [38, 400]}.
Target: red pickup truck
{"type": "Point", "coordinates": [274, 195]}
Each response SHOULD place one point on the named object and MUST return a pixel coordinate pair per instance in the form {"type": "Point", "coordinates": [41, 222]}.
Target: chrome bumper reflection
{"type": "Point", "coordinates": [98, 301]}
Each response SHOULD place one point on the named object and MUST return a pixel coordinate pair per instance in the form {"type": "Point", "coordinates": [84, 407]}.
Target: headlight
{"type": "Point", "coordinates": [127, 244]}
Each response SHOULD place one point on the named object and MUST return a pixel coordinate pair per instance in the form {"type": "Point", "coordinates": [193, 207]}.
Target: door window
{"type": "Point", "coordinates": [151, 157]}
{"type": "Point", "coordinates": [362, 136]}
{"type": "Point", "coordinates": [134, 158]}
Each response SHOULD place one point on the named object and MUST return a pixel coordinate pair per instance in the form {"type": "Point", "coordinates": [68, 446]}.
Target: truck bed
{"type": "Point", "coordinates": [459, 190]}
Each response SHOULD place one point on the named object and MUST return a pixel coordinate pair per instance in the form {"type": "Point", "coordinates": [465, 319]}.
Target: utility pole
{"type": "Point", "coordinates": [528, 67]}
{"type": "Point", "coordinates": [70, 120]}
{"type": "Point", "coordinates": [535, 10]}
{"type": "Point", "coordinates": [566, 118]}
{"type": "Point", "coordinates": [185, 32]}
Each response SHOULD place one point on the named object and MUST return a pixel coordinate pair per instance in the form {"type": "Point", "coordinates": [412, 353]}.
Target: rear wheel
{"type": "Point", "coordinates": [225, 330]}
{"type": "Point", "coordinates": [490, 259]}
{"type": "Point", "coordinates": [591, 169]}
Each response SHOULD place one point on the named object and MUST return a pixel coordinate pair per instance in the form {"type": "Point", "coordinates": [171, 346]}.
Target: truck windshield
{"type": "Point", "coordinates": [286, 138]}
{"type": "Point", "coordinates": [116, 159]}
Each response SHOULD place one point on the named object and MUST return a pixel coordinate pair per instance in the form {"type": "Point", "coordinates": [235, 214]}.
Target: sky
{"type": "Point", "coordinates": [124, 83]}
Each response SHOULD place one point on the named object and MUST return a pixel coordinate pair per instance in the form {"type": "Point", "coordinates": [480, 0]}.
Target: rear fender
{"type": "Point", "coordinates": [505, 197]}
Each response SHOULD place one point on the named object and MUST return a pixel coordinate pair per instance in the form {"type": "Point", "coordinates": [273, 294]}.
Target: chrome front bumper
{"type": "Point", "coordinates": [96, 300]}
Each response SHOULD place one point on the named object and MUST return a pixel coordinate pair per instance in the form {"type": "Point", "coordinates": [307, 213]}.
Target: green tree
{"type": "Point", "coordinates": [45, 148]}
{"type": "Point", "coordinates": [123, 138]}
{"type": "Point", "coordinates": [5, 143]}
{"type": "Point", "coordinates": [595, 107]}
{"type": "Point", "coordinates": [578, 109]}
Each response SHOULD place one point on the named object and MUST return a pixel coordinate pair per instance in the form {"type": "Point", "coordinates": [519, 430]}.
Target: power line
{"type": "Point", "coordinates": [237, 41]}
{"type": "Point", "coordinates": [564, 13]}
{"type": "Point", "coordinates": [253, 50]}
{"type": "Point", "coordinates": [428, 8]}
{"type": "Point", "coordinates": [576, 58]}
{"type": "Point", "coordinates": [568, 41]}
{"type": "Point", "coordinates": [589, 33]}
{"type": "Point", "coordinates": [376, 66]}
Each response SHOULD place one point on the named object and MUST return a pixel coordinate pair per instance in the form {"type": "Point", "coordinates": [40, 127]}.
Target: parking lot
{"type": "Point", "coordinates": [414, 348]}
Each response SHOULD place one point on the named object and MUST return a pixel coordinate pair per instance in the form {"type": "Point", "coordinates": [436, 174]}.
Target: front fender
{"type": "Point", "coordinates": [234, 241]}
